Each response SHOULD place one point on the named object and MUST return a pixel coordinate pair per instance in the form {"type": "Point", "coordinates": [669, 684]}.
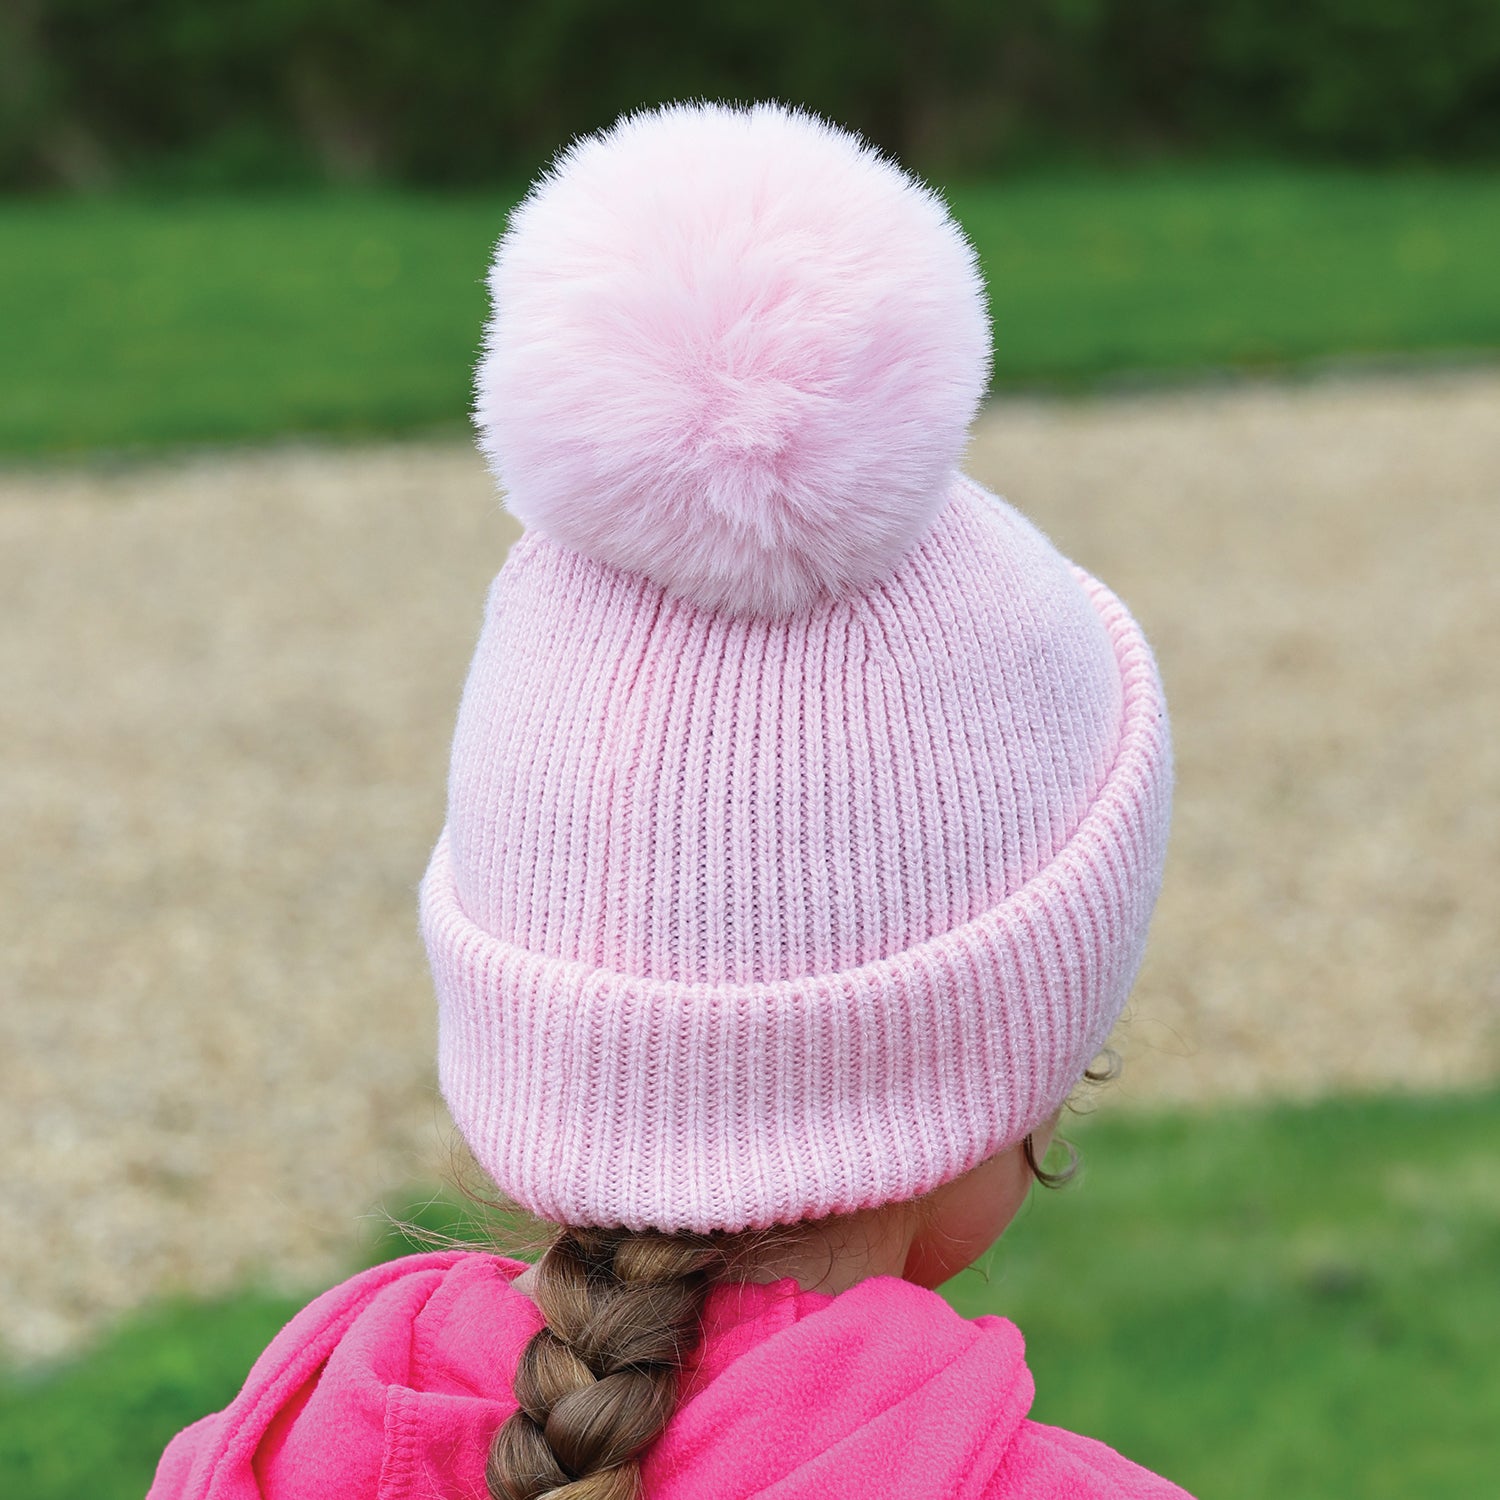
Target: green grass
{"type": "Point", "coordinates": [1252, 270]}
{"type": "Point", "coordinates": [1298, 1301]}
{"type": "Point", "coordinates": [97, 1427]}
{"type": "Point", "coordinates": [137, 323]}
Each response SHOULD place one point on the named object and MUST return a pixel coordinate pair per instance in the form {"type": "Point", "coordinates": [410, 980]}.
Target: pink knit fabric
{"type": "Point", "coordinates": [739, 920]}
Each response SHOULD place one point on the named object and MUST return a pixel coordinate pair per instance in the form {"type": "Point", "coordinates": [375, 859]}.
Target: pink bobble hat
{"type": "Point", "coordinates": [807, 808]}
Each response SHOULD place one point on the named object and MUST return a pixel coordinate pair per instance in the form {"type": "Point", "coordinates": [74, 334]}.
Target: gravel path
{"type": "Point", "coordinates": [228, 688]}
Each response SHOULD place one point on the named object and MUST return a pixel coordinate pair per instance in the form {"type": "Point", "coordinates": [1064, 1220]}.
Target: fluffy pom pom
{"type": "Point", "coordinates": [735, 349]}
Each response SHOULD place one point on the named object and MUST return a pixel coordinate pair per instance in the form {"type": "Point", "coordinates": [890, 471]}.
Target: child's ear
{"type": "Point", "coordinates": [960, 1220]}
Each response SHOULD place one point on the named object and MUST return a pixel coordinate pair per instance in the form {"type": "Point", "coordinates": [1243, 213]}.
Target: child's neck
{"type": "Point", "coordinates": [835, 1254]}
{"type": "Point", "coordinates": [831, 1256]}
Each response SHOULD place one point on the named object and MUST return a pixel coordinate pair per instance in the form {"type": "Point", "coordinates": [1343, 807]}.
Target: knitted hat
{"type": "Point", "coordinates": [807, 808]}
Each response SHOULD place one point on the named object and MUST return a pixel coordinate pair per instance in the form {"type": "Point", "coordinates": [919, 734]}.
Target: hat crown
{"type": "Point", "coordinates": [662, 791]}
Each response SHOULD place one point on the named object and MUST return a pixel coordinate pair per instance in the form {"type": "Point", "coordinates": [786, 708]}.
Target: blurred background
{"type": "Point", "coordinates": [1242, 265]}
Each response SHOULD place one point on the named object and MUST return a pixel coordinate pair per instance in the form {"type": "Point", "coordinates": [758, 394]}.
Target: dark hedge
{"type": "Point", "coordinates": [184, 93]}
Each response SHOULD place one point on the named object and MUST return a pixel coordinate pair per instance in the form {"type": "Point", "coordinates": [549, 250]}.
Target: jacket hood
{"type": "Point", "coordinates": [392, 1385]}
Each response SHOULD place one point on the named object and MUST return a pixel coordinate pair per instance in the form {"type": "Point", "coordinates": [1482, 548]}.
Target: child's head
{"type": "Point", "coordinates": [807, 807]}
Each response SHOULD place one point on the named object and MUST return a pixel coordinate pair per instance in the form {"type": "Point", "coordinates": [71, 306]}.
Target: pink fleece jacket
{"type": "Point", "coordinates": [390, 1386]}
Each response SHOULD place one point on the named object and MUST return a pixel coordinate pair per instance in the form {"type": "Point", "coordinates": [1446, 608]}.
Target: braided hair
{"type": "Point", "coordinates": [598, 1382]}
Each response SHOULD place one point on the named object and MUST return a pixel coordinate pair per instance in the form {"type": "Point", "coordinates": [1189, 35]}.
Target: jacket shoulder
{"type": "Point", "coordinates": [222, 1455]}
{"type": "Point", "coordinates": [1050, 1463]}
